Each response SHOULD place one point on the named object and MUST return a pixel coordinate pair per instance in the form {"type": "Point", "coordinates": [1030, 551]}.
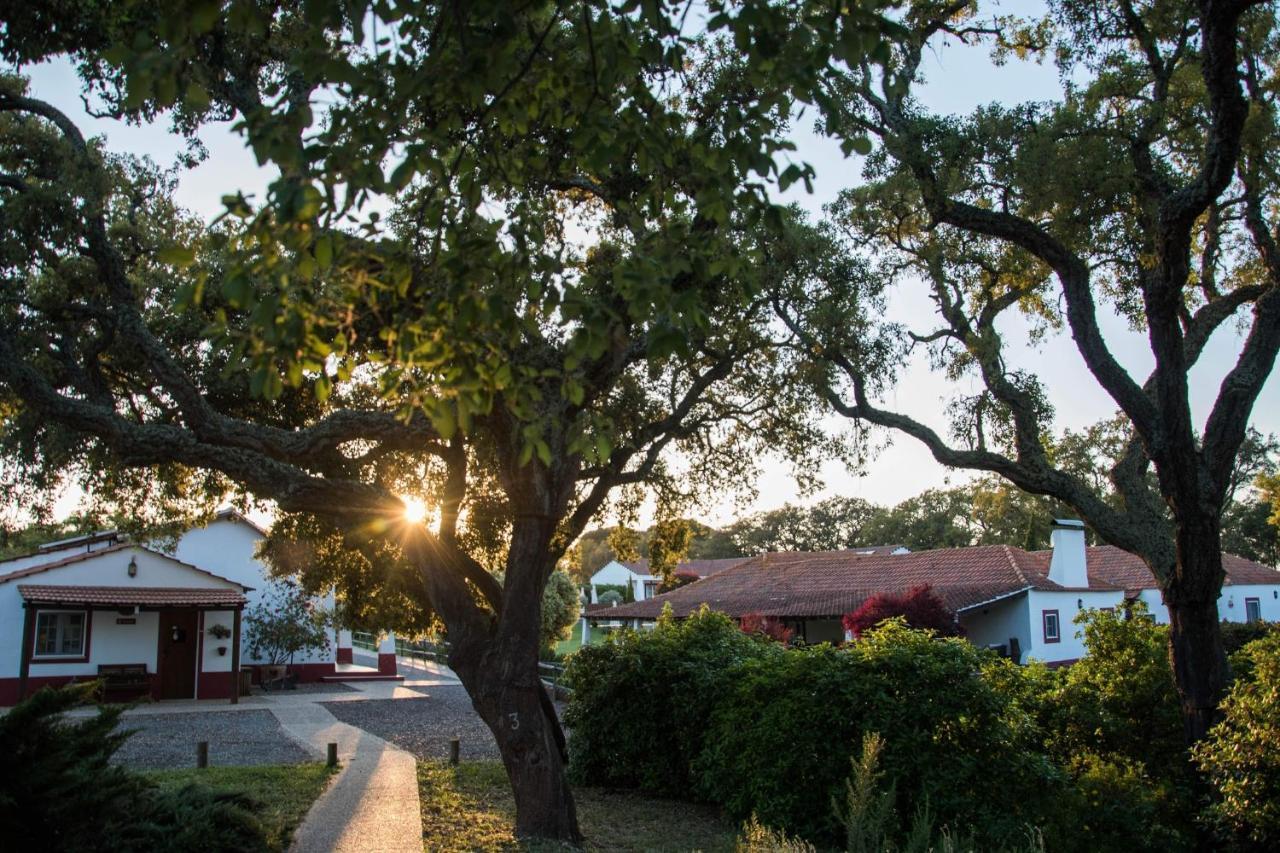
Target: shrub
{"type": "Point", "coordinates": [920, 607]}
{"type": "Point", "coordinates": [284, 623]}
{"type": "Point", "coordinates": [1120, 699]}
{"type": "Point", "coordinates": [766, 626]}
{"type": "Point", "coordinates": [58, 790]}
{"type": "Point", "coordinates": [1237, 635]}
{"type": "Point", "coordinates": [1241, 755]}
{"type": "Point", "coordinates": [782, 738]}
{"type": "Point", "coordinates": [1113, 721]}
{"type": "Point", "coordinates": [641, 700]}
{"type": "Point", "coordinates": [609, 598]}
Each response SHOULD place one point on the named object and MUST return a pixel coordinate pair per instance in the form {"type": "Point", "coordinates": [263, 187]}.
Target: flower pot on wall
{"type": "Point", "coordinates": [222, 650]}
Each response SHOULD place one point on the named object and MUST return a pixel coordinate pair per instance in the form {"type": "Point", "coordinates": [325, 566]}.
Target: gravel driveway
{"type": "Point", "coordinates": [423, 726]}
{"type": "Point", "coordinates": [235, 738]}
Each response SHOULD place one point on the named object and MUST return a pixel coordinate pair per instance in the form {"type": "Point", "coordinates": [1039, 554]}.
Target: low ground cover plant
{"type": "Point", "coordinates": [59, 791]}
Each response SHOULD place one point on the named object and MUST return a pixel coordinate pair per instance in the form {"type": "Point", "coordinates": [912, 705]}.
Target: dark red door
{"type": "Point", "coordinates": [178, 644]}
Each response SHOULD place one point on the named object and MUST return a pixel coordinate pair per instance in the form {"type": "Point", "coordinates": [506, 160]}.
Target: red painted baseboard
{"type": "Point", "coordinates": [387, 663]}
{"type": "Point", "coordinates": [345, 656]}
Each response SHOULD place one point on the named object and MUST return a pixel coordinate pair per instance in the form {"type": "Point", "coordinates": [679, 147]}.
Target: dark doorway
{"type": "Point", "coordinates": [178, 644]}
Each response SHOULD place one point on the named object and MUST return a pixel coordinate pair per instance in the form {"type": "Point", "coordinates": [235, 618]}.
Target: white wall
{"type": "Point", "coordinates": [1071, 646]}
{"type": "Point", "coordinates": [109, 642]}
{"type": "Point", "coordinates": [228, 547]}
{"type": "Point", "coordinates": [210, 660]}
{"type": "Point", "coordinates": [614, 573]}
{"type": "Point", "coordinates": [996, 623]}
{"type": "Point", "coordinates": [1231, 604]}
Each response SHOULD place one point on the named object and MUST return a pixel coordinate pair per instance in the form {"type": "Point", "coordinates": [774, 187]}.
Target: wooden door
{"type": "Point", "coordinates": [179, 642]}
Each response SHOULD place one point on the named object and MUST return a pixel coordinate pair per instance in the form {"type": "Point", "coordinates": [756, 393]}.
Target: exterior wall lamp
{"type": "Point", "coordinates": [133, 567]}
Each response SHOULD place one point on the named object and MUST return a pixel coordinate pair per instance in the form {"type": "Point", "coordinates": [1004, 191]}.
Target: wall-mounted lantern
{"type": "Point", "coordinates": [133, 567]}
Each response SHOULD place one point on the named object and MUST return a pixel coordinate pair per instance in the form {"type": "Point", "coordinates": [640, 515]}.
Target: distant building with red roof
{"type": "Point", "coordinates": [1023, 602]}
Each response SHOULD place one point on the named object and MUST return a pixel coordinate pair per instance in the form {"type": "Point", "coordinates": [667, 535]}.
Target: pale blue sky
{"type": "Point", "coordinates": [959, 79]}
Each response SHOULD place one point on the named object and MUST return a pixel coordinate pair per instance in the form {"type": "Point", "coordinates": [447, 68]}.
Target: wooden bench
{"type": "Point", "coordinates": [124, 678]}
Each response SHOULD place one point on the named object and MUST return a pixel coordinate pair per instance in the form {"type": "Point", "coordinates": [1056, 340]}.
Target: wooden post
{"type": "Point", "coordinates": [455, 746]}
{"type": "Point", "coordinates": [332, 759]}
{"type": "Point", "coordinates": [24, 656]}
{"type": "Point", "coordinates": [235, 658]}
{"type": "Point", "coordinates": [202, 754]}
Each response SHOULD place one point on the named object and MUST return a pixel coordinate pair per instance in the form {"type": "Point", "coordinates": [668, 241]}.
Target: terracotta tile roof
{"type": "Point", "coordinates": [88, 555]}
{"type": "Point", "coordinates": [701, 568]}
{"type": "Point", "coordinates": [127, 596]}
{"type": "Point", "coordinates": [832, 583]}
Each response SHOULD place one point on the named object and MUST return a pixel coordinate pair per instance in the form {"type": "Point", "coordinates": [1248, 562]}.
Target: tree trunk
{"type": "Point", "coordinates": [522, 718]}
{"type": "Point", "coordinates": [1195, 637]}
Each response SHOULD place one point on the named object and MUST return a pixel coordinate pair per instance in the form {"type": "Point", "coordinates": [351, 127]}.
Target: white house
{"type": "Point", "coordinates": [80, 609]}
{"type": "Point", "coordinates": [228, 546]}
{"type": "Point", "coordinates": [1021, 602]}
{"type": "Point", "coordinates": [644, 585]}
{"type": "Point", "coordinates": [170, 625]}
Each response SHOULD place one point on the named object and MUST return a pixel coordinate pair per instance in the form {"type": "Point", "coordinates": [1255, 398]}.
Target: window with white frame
{"type": "Point", "coordinates": [1252, 610]}
{"type": "Point", "coordinates": [60, 633]}
{"type": "Point", "coordinates": [1051, 629]}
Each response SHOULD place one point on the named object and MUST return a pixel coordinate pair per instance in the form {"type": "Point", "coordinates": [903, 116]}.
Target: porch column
{"type": "Point", "coordinates": [387, 654]}
{"type": "Point", "coordinates": [345, 654]}
{"type": "Point", "coordinates": [235, 657]}
{"type": "Point", "coordinates": [24, 655]}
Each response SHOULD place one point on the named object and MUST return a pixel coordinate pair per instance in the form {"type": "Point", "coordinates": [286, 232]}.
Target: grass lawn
{"type": "Point", "coordinates": [575, 639]}
{"type": "Point", "coordinates": [286, 793]}
{"type": "Point", "coordinates": [469, 807]}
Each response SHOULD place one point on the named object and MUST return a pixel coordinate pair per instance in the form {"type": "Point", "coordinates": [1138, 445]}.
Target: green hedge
{"type": "Point", "coordinates": [1241, 756]}
{"type": "Point", "coordinates": [641, 700]}
{"type": "Point", "coordinates": [1237, 635]}
{"type": "Point", "coordinates": [1091, 756]}
{"type": "Point", "coordinates": [783, 738]}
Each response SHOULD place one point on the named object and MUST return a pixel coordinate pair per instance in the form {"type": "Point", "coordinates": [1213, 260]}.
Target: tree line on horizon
{"type": "Point", "coordinates": [983, 511]}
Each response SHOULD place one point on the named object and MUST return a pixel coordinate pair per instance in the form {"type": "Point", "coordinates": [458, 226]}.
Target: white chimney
{"type": "Point", "coordinates": [1068, 565]}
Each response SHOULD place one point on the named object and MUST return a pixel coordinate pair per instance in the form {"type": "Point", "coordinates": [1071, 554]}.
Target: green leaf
{"type": "Point", "coordinates": [859, 144]}
{"type": "Point", "coordinates": [177, 256]}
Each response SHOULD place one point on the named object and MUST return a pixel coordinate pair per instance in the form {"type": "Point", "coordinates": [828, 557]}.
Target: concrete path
{"type": "Point", "coordinates": [372, 805]}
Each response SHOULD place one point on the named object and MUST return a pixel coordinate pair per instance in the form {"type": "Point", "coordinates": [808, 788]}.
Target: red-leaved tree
{"type": "Point", "coordinates": [767, 626]}
{"type": "Point", "coordinates": [920, 606]}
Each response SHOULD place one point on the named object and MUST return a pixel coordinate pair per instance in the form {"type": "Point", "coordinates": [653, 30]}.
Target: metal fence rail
{"type": "Point", "coordinates": [415, 651]}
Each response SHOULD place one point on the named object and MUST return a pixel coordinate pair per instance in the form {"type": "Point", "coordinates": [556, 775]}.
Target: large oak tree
{"type": "Point", "coordinates": [560, 304]}
{"type": "Point", "coordinates": [1148, 189]}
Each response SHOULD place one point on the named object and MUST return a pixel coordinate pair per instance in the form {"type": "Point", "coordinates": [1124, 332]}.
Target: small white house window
{"type": "Point", "coordinates": [1051, 630]}
{"type": "Point", "coordinates": [1252, 610]}
{"type": "Point", "coordinates": [60, 633]}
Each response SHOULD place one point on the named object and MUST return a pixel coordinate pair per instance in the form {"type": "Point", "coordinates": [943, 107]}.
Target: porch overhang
{"type": "Point", "coordinates": [111, 597]}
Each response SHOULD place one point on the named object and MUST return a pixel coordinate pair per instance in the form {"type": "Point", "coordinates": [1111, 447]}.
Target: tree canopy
{"type": "Point", "coordinates": [1146, 189]}
{"type": "Point", "coordinates": [511, 263]}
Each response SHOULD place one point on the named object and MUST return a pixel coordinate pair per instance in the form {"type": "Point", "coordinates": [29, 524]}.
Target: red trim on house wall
{"type": "Point", "coordinates": [214, 685]}
{"type": "Point", "coordinates": [9, 686]}
{"type": "Point", "coordinates": [306, 672]}
{"type": "Point", "coordinates": [199, 655]}
{"type": "Point", "coordinates": [386, 663]}
{"type": "Point", "coordinates": [345, 656]}
{"type": "Point", "coordinates": [1044, 625]}
{"type": "Point", "coordinates": [88, 634]}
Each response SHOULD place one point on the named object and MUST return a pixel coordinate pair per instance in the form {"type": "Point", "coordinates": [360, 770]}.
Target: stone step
{"type": "Point", "coordinates": [360, 676]}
